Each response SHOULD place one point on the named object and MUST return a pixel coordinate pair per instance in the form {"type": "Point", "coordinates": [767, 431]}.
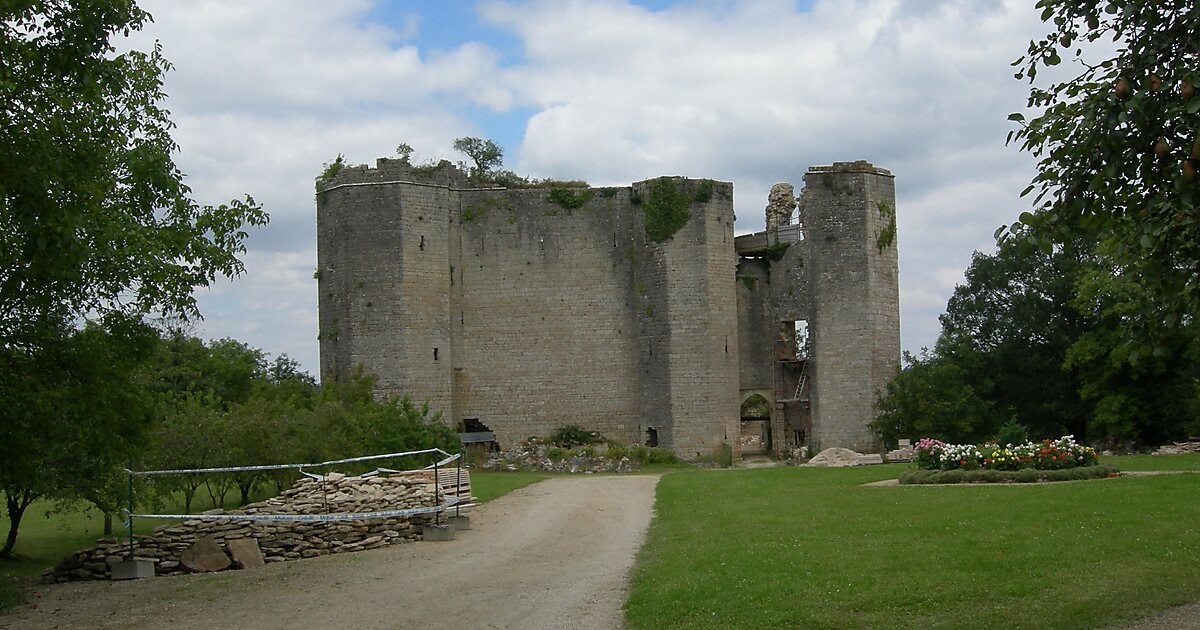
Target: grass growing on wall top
{"type": "Point", "coordinates": [800, 547]}
{"type": "Point", "coordinates": [666, 209]}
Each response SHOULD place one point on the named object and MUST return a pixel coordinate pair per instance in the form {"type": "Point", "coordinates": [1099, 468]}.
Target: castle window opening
{"type": "Point", "coordinates": [803, 338]}
{"type": "Point", "coordinates": [435, 354]}
{"type": "Point", "coordinates": [422, 243]}
{"type": "Point", "coordinates": [651, 437]}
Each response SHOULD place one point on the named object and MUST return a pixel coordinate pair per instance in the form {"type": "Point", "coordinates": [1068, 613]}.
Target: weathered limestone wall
{"type": "Point", "coordinates": [507, 307]}
{"type": "Point", "coordinates": [549, 330]}
{"type": "Point", "coordinates": [701, 314]}
{"type": "Point", "coordinates": [856, 333]}
{"type": "Point", "coordinates": [383, 278]}
{"type": "Point", "coordinates": [756, 356]}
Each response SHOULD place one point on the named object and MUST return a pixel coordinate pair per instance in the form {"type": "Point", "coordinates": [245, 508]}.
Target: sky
{"type": "Point", "coordinates": [265, 92]}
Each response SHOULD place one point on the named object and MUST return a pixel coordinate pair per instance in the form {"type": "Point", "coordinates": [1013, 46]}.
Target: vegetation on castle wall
{"type": "Point", "coordinates": [331, 170]}
{"type": "Point", "coordinates": [887, 231]}
{"type": "Point", "coordinates": [775, 252]}
{"type": "Point", "coordinates": [666, 210]}
{"type": "Point", "coordinates": [704, 191]}
{"type": "Point", "coordinates": [471, 212]}
{"type": "Point", "coordinates": [570, 199]}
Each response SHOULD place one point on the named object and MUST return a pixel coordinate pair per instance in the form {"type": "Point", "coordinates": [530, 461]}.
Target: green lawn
{"type": "Point", "coordinates": [811, 547]}
{"type": "Point", "coordinates": [487, 485]}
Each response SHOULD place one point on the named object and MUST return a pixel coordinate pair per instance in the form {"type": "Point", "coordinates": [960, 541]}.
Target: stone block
{"type": "Point", "coordinates": [871, 458]}
{"type": "Point", "coordinates": [460, 523]}
{"type": "Point", "coordinates": [439, 533]}
{"type": "Point", "coordinates": [132, 569]}
{"type": "Point", "coordinates": [204, 556]}
{"type": "Point", "coordinates": [246, 553]}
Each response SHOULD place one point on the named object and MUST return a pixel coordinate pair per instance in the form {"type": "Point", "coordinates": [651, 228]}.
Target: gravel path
{"type": "Point", "coordinates": [552, 555]}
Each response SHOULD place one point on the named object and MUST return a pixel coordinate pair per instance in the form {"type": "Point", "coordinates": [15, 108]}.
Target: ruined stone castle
{"type": "Point", "coordinates": [633, 311]}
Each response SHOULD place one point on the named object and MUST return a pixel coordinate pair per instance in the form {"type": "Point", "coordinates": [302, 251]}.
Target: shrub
{"type": "Point", "coordinates": [658, 455]}
{"type": "Point", "coordinates": [1010, 433]}
{"type": "Point", "coordinates": [1025, 475]}
{"type": "Point", "coordinates": [616, 450]}
{"type": "Point", "coordinates": [555, 454]}
{"type": "Point", "coordinates": [572, 435]}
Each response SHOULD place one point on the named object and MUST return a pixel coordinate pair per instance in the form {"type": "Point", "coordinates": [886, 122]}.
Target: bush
{"type": "Point", "coordinates": [10, 592]}
{"type": "Point", "coordinates": [1010, 433]}
{"type": "Point", "coordinates": [555, 454]}
{"type": "Point", "coordinates": [658, 455]}
{"type": "Point", "coordinates": [616, 450]}
{"type": "Point", "coordinates": [1026, 475]}
{"type": "Point", "coordinates": [572, 435]}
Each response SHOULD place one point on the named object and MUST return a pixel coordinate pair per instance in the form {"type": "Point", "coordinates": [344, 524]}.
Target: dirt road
{"type": "Point", "coordinates": [553, 555]}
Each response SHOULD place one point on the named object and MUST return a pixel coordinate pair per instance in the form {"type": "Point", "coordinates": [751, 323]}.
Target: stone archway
{"type": "Point", "coordinates": [755, 437]}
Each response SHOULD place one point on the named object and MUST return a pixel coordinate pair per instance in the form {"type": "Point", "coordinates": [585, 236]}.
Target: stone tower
{"type": "Point", "coordinates": [819, 322]}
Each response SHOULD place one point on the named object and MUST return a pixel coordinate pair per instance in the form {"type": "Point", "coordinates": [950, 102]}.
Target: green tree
{"type": "Point", "coordinates": [1132, 398]}
{"type": "Point", "coordinates": [95, 220]}
{"type": "Point", "coordinates": [71, 415]}
{"type": "Point", "coordinates": [1118, 146]}
{"type": "Point", "coordinates": [932, 397]}
{"type": "Point", "coordinates": [486, 154]}
{"type": "Point", "coordinates": [1010, 325]}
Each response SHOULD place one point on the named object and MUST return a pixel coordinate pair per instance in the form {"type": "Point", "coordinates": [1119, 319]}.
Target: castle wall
{"type": "Point", "coordinates": [549, 336]}
{"type": "Point", "coordinates": [756, 325]}
{"type": "Point", "coordinates": [855, 325]}
{"type": "Point", "coordinates": [506, 307]}
{"type": "Point", "coordinates": [700, 312]}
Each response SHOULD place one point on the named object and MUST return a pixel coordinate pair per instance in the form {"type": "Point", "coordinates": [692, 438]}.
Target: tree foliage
{"type": "Point", "coordinates": [1118, 147]}
{"type": "Point", "coordinates": [71, 415]}
{"type": "Point", "coordinates": [486, 154]}
{"type": "Point", "coordinates": [95, 222]}
{"type": "Point", "coordinates": [1033, 340]}
{"type": "Point", "coordinates": [94, 214]}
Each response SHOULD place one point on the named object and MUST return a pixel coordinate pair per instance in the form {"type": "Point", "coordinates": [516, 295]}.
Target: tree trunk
{"type": "Point", "coordinates": [108, 523]}
{"type": "Point", "coordinates": [17, 502]}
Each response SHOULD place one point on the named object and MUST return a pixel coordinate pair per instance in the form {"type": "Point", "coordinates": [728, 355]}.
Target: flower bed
{"type": "Point", "coordinates": [1060, 454]}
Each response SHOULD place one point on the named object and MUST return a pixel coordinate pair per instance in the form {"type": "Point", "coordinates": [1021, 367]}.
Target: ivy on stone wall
{"type": "Point", "coordinates": [887, 232]}
{"type": "Point", "coordinates": [570, 199]}
{"type": "Point", "coordinates": [666, 209]}
{"type": "Point", "coordinates": [775, 252]}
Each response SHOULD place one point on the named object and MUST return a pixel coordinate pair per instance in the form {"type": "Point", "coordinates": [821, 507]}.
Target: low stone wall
{"type": "Point", "coordinates": [211, 545]}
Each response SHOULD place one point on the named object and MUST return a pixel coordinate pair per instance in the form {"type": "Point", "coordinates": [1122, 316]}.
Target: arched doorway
{"type": "Point", "coordinates": [755, 435]}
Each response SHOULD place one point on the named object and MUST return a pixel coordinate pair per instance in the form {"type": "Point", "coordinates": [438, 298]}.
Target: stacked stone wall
{"type": "Point", "coordinates": [278, 541]}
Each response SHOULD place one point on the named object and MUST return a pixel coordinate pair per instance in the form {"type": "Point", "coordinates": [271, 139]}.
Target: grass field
{"type": "Point", "coordinates": [801, 547]}
{"type": "Point", "coordinates": [785, 547]}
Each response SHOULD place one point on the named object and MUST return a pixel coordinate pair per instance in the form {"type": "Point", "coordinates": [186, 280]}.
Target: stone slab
{"type": "Point", "coordinates": [246, 553]}
{"type": "Point", "coordinates": [132, 569]}
{"type": "Point", "coordinates": [461, 523]}
{"type": "Point", "coordinates": [440, 533]}
{"type": "Point", "coordinates": [870, 458]}
{"type": "Point", "coordinates": [205, 556]}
